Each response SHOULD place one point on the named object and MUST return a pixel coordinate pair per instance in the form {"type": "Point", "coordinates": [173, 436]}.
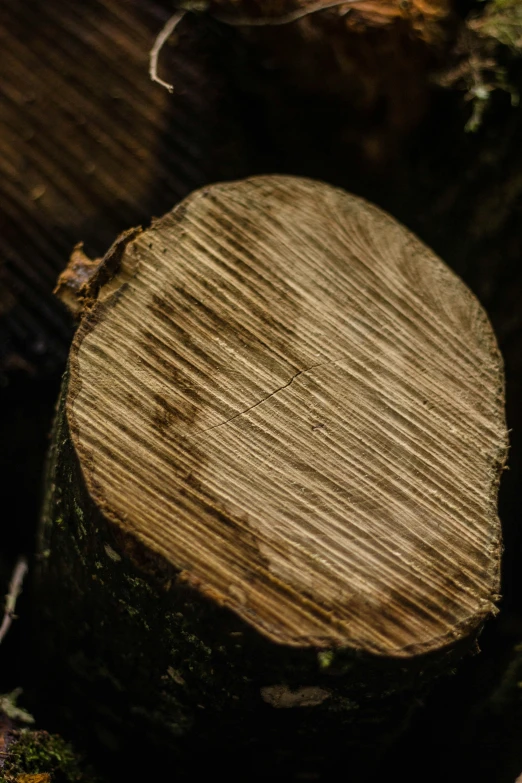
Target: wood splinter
{"type": "Point", "coordinates": [274, 475]}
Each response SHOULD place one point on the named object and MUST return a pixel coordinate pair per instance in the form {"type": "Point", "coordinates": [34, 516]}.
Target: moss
{"type": "Point", "coordinates": [37, 753]}
{"type": "Point", "coordinates": [483, 54]}
{"type": "Point", "coordinates": [502, 20]}
{"type": "Point", "coordinates": [10, 709]}
{"type": "Point", "coordinates": [325, 659]}
{"type": "Point", "coordinates": [499, 26]}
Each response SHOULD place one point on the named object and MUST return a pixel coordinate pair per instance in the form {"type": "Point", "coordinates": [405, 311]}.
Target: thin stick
{"type": "Point", "coordinates": [293, 16]}
{"type": "Point", "coordinates": [15, 588]}
{"type": "Point", "coordinates": [239, 21]}
{"type": "Point", "coordinates": [160, 41]}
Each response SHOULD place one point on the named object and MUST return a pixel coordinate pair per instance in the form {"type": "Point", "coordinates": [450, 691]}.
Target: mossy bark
{"type": "Point", "coordinates": [145, 655]}
{"type": "Point", "coordinates": [33, 756]}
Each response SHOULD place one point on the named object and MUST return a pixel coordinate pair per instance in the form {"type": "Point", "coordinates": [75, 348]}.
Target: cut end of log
{"type": "Point", "coordinates": [288, 397]}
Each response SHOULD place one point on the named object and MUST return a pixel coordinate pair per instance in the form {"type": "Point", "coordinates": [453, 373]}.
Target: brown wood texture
{"type": "Point", "coordinates": [291, 399]}
{"type": "Point", "coordinates": [89, 146]}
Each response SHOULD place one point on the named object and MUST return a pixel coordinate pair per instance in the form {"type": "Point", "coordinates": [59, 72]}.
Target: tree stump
{"type": "Point", "coordinates": [271, 500]}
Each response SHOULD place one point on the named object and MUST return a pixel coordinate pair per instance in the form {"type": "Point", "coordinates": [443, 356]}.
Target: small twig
{"type": "Point", "coordinates": [15, 588]}
{"type": "Point", "coordinates": [235, 21]}
{"type": "Point", "coordinates": [160, 41]}
{"type": "Point", "coordinates": [292, 16]}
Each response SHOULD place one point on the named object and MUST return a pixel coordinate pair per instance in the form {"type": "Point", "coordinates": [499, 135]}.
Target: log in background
{"type": "Point", "coordinates": [90, 147]}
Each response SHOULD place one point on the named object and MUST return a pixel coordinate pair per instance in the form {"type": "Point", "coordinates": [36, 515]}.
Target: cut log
{"type": "Point", "coordinates": [273, 481]}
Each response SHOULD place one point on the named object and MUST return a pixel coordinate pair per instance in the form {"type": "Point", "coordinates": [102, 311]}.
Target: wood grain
{"type": "Point", "coordinates": [289, 397]}
{"type": "Point", "coordinates": [89, 146]}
